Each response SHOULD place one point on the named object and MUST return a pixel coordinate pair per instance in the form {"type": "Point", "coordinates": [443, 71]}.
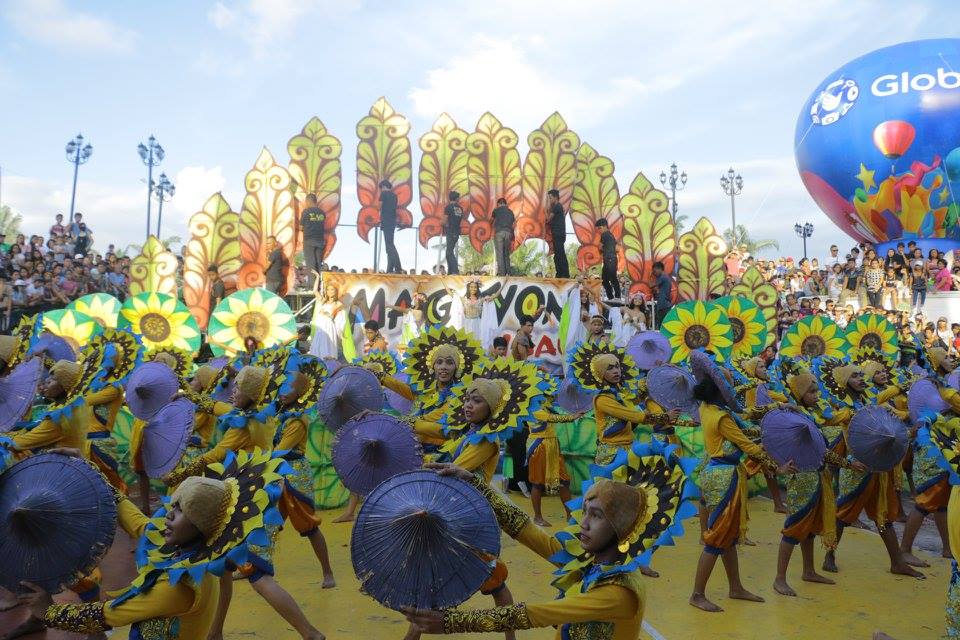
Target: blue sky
{"type": "Point", "coordinates": [709, 85]}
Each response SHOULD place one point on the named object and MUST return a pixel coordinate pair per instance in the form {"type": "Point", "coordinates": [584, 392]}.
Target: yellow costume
{"type": "Point", "coordinates": [545, 467]}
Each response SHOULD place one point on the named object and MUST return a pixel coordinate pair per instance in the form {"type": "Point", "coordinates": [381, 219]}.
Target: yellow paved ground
{"type": "Point", "coordinates": [866, 597]}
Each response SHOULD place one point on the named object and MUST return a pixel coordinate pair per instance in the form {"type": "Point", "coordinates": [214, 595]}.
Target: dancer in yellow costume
{"type": "Point", "coordinates": [181, 549]}
{"type": "Point", "coordinates": [811, 504]}
{"type": "Point", "coordinates": [630, 509]}
{"type": "Point", "coordinates": [723, 480]}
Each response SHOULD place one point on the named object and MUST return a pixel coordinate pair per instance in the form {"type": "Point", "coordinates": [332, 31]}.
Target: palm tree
{"type": "Point", "coordinates": [680, 222]}
{"type": "Point", "coordinates": [753, 246]}
{"type": "Point", "coordinates": [9, 221]}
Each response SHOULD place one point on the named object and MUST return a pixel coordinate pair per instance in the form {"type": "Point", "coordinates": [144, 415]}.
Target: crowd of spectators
{"type": "Point", "coordinates": [40, 273]}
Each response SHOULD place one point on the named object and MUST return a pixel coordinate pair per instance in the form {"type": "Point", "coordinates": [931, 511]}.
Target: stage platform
{"type": "Point", "coordinates": [865, 599]}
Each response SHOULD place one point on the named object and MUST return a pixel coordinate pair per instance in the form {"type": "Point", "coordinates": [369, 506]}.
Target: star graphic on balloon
{"type": "Point", "coordinates": [866, 177]}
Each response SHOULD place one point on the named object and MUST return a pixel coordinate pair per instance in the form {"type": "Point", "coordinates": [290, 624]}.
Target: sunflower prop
{"type": "Point", "coordinates": [256, 313]}
{"type": "Point", "coordinates": [521, 394]}
{"type": "Point", "coordinates": [314, 371]}
{"type": "Point", "coordinates": [813, 337]}
{"type": "Point", "coordinates": [873, 331]}
{"type": "Point", "coordinates": [182, 358]}
{"type": "Point", "coordinates": [102, 307]}
{"type": "Point", "coordinates": [253, 482]}
{"type": "Point", "coordinates": [748, 327]}
{"type": "Point", "coordinates": [23, 336]}
{"type": "Point", "coordinates": [862, 357]}
{"type": "Point", "coordinates": [382, 363]}
{"type": "Point", "coordinates": [422, 351]}
{"type": "Point", "coordinates": [944, 434]}
{"type": "Point", "coordinates": [694, 325]}
{"type": "Point", "coordinates": [669, 495]}
{"type": "Point", "coordinates": [583, 358]}
{"type": "Point", "coordinates": [74, 327]}
{"type": "Point", "coordinates": [125, 352]}
{"type": "Point", "coordinates": [84, 377]}
{"type": "Point", "coordinates": [162, 321]}
{"type": "Point", "coordinates": [824, 369]}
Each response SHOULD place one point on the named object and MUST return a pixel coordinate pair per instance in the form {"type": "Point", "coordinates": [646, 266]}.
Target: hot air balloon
{"type": "Point", "coordinates": [873, 145]}
{"type": "Point", "coordinates": [893, 138]}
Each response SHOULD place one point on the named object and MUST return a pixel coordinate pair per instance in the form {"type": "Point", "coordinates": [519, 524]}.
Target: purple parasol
{"type": "Point", "coordinates": [423, 540]}
{"type": "Point", "coordinates": [877, 438]}
{"type": "Point", "coordinates": [571, 398]}
{"type": "Point", "coordinates": [332, 365]}
{"type": "Point", "coordinates": [57, 519]}
{"type": "Point", "coordinates": [53, 347]}
{"type": "Point", "coordinates": [396, 401]}
{"type": "Point", "coordinates": [149, 387]}
{"type": "Point", "coordinates": [924, 399]}
{"type": "Point", "coordinates": [793, 436]}
{"type": "Point", "coordinates": [348, 392]}
{"type": "Point", "coordinates": [672, 388]}
{"type": "Point", "coordinates": [649, 349]}
{"type": "Point", "coordinates": [17, 391]}
{"type": "Point", "coordinates": [372, 449]}
{"type": "Point", "coordinates": [763, 395]}
{"type": "Point", "coordinates": [704, 367]}
{"type": "Point", "coordinates": [953, 379]}
{"type": "Point", "coordinates": [166, 436]}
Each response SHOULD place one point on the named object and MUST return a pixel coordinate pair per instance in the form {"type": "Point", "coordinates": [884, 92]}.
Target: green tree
{"type": "Point", "coordinates": [9, 221]}
{"type": "Point", "coordinates": [753, 246]}
{"type": "Point", "coordinates": [680, 222]}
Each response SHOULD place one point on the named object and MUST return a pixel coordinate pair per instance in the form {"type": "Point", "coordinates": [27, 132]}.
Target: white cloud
{"type": "Point", "coordinates": [221, 16]}
{"type": "Point", "coordinates": [194, 186]}
{"type": "Point", "coordinates": [52, 22]}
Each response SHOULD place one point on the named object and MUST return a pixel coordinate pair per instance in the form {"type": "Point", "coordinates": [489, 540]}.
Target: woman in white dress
{"type": "Point", "coordinates": [632, 320]}
{"type": "Point", "coordinates": [466, 311]}
{"type": "Point", "coordinates": [414, 318]}
{"type": "Point", "coordinates": [328, 318]}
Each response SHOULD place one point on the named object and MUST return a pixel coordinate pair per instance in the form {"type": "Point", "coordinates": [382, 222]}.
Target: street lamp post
{"type": "Point", "coordinates": [77, 153]}
{"type": "Point", "coordinates": [152, 155]}
{"type": "Point", "coordinates": [164, 190]}
{"type": "Point", "coordinates": [732, 184]}
{"type": "Point", "coordinates": [675, 182]}
{"type": "Point", "coordinates": [804, 230]}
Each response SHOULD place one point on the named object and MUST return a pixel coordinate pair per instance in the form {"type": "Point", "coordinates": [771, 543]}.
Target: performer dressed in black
{"type": "Point", "coordinates": [312, 221]}
{"type": "Point", "coordinates": [388, 225]}
{"type": "Point", "coordinates": [503, 221]}
{"type": "Point", "coordinates": [453, 215]}
{"type": "Point", "coordinates": [608, 248]}
{"type": "Point", "coordinates": [557, 222]}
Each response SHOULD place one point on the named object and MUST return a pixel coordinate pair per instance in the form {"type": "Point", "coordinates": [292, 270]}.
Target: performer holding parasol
{"type": "Point", "coordinates": [629, 509]}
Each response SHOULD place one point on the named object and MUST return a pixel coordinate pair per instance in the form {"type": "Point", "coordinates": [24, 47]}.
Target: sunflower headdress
{"type": "Point", "coordinates": [587, 360]}
{"type": "Point", "coordinates": [832, 375]}
{"type": "Point", "coordinates": [102, 307]}
{"type": "Point", "coordinates": [511, 388]}
{"type": "Point", "coordinates": [872, 361]}
{"type": "Point", "coordinates": [424, 349]}
{"type": "Point", "coordinates": [253, 487]}
{"type": "Point", "coordinates": [255, 313]}
{"type": "Point", "coordinates": [548, 383]}
{"type": "Point", "coordinates": [813, 337]}
{"type": "Point", "coordinates": [78, 379]}
{"type": "Point", "coordinates": [382, 363]}
{"type": "Point", "coordinates": [697, 325]}
{"type": "Point", "coordinates": [748, 327]}
{"type": "Point", "coordinates": [644, 521]}
{"type": "Point", "coordinates": [873, 331]}
{"type": "Point", "coordinates": [162, 321]}
{"type": "Point", "coordinates": [16, 346]}
{"type": "Point", "coordinates": [125, 355]}
{"type": "Point", "coordinates": [943, 433]}
{"type": "Point", "coordinates": [181, 359]}
{"type": "Point", "coordinates": [314, 373]}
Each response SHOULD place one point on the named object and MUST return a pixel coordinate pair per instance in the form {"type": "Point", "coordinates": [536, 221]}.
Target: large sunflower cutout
{"type": "Point", "coordinates": [748, 327]}
{"type": "Point", "coordinates": [102, 307]}
{"type": "Point", "coordinates": [696, 325]}
{"type": "Point", "coordinates": [873, 331]}
{"type": "Point", "coordinates": [813, 337]}
{"type": "Point", "coordinates": [255, 313]}
{"type": "Point", "coordinates": [161, 321]}
{"type": "Point", "coordinates": [74, 327]}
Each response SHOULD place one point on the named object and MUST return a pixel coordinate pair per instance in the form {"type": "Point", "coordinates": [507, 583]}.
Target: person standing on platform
{"type": "Point", "coordinates": [388, 224]}
{"type": "Point", "coordinates": [503, 221]}
{"type": "Point", "coordinates": [452, 216]}
{"type": "Point", "coordinates": [557, 221]}
{"type": "Point", "coordinates": [218, 290]}
{"type": "Point", "coordinates": [276, 267]}
{"type": "Point", "coordinates": [608, 248]}
{"type": "Point", "coordinates": [314, 239]}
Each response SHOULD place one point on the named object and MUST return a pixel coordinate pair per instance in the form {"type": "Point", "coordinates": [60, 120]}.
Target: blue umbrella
{"type": "Point", "coordinates": [151, 386]}
{"type": "Point", "coordinates": [423, 540]}
{"type": "Point", "coordinates": [672, 388]}
{"type": "Point", "coordinates": [346, 393]}
{"type": "Point", "coordinates": [52, 346]}
{"type": "Point", "coordinates": [17, 391]}
{"type": "Point", "coordinates": [166, 436]}
{"type": "Point", "coordinates": [57, 519]}
{"type": "Point", "coordinates": [373, 449]}
{"type": "Point", "coordinates": [877, 438]}
{"type": "Point", "coordinates": [396, 401]}
{"type": "Point", "coordinates": [793, 436]}
{"type": "Point", "coordinates": [571, 398]}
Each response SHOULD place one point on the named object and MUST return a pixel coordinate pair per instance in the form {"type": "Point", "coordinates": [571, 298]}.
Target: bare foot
{"type": "Point", "coordinates": [747, 542]}
{"type": "Point", "coordinates": [541, 522]}
{"type": "Point", "coordinates": [830, 563]}
{"type": "Point", "coordinates": [945, 554]}
{"type": "Point", "coordinates": [316, 636]}
{"type": "Point", "coordinates": [345, 517]}
{"type": "Point", "coordinates": [780, 586]}
{"type": "Point", "coordinates": [8, 601]}
{"type": "Point", "coordinates": [328, 581]}
{"type": "Point", "coordinates": [913, 560]}
{"type": "Point", "coordinates": [779, 508]}
{"type": "Point", "coordinates": [880, 635]}
{"type": "Point", "coordinates": [215, 636]}
{"type": "Point", "coordinates": [650, 573]}
{"type": "Point", "coordinates": [743, 594]}
{"type": "Point", "coordinates": [30, 625]}
{"type": "Point", "coordinates": [700, 602]}
{"type": "Point", "coordinates": [906, 570]}
{"type": "Point", "coordinates": [813, 576]}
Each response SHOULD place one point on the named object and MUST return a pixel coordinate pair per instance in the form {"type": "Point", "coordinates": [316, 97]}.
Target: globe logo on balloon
{"type": "Point", "coordinates": [878, 145]}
